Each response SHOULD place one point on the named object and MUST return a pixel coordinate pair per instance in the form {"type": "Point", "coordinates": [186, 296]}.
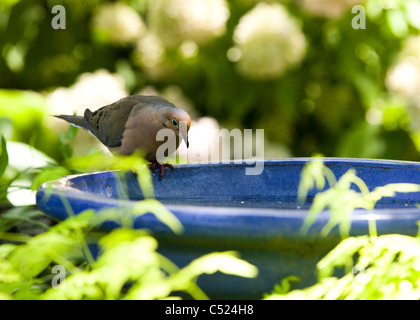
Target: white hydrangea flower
{"type": "Point", "coordinates": [150, 55]}
{"type": "Point", "coordinates": [328, 8]}
{"type": "Point", "coordinates": [404, 76]}
{"type": "Point", "coordinates": [150, 50]}
{"type": "Point", "coordinates": [91, 90]}
{"type": "Point", "coordinates": [268, 42]}
{"type": "Point", "coordinates": [411, 48]}
{"type": "Point", "coordinates": [175, 21]}
{"type": "Point", "coordinates": [201, 137]}
{"type": "Point", "coordinates": [118, 23]}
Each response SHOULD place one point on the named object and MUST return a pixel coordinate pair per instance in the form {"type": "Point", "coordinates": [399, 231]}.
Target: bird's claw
{"type": "Point", "coordinates": [156, 164]}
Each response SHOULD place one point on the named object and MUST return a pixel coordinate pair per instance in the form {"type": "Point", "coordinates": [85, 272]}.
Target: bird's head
{"type": "Point", "coordinates": [177, 120]}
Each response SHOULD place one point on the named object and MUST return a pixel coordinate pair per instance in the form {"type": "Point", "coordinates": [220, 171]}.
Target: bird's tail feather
{"type": "Point", "coordinates": [77, 121]}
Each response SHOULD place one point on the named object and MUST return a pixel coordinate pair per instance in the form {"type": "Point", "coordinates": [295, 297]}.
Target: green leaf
{"type": "Point", "coordinates": [340, 255]}
{"type": "Point", "coordinates": [314, 175]}
{"type": "Point", "coordinates": [226, 262]}
{"type": "Point", "coordinates": [284, 286]}
{"type": "Point", "coordinates": [6, 127]}
{"type": "Point", "coordinates": [8, 4]}
{"type": "Point", "coordinates": [4, 157]}
{"type": "Point", "coordinates": [49, 174]}
{"type": "Point", "coordinates": [160, 211]}
{"type": "Point", "coordinates": [65, 142]}
{"type": "Point", "coordinates": [15, 215]}
{"type": "Point", "coordinates": [397, 22]}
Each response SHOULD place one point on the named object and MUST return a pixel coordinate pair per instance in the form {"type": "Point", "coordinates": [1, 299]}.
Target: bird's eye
{"type": "Point", "coordinates": [174, 122]}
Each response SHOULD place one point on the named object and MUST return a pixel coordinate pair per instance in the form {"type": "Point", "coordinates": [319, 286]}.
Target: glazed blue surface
{"type": "Point", "coordinates": [222, 208]}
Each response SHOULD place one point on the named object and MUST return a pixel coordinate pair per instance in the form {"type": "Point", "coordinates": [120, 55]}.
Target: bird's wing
{"type": "Point", "coordinates": [108, 123]}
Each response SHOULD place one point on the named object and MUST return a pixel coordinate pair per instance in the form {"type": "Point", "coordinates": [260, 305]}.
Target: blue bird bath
{"type": "Point", "coordinates": [221, 208]}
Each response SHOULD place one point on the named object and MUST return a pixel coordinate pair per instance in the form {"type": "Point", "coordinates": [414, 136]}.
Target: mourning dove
{"type": "Point", "coordinates": [132, 123]}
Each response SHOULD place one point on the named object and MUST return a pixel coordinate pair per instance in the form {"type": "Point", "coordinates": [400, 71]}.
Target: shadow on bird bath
{"type": "Point", "coordinates": [221, 208]}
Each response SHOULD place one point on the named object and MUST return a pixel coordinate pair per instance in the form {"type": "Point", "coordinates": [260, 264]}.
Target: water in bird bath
{"type": "Point", "coordinates": [270, 203]}
{"type": "Point", "coordinates": [283, 203]}
{"type": "Point", "coordinates": [115, 187]}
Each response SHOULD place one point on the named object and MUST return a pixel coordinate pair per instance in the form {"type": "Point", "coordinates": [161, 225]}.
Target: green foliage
{"type": "Point", "coordinates": [26, 110]}
{"type": "Point", "coordinates": [387, 267]}
{"type": "Point", "coordinates": [15, 215]}
{"type": "Point", "coordinates": [4, 160]}
{"type": "Point", "coordinates": [376, 267]}
{"type": "Point", "coordinates": [282, 288]}
{"type": "Point", "coordinates": [128, 267]}
{"type": "Point", "coordinates": [49, 174]}
{"type": "Point", "coordinates": [335, 101]}
{"type": "Point", "coordinates": [65, 145]}
{"type": "Point", "coordinates": [340, 199]}
{"type": "Point", "coordinates": [4, 157]}
{"type": "Point", "coordinates": [314, 175]}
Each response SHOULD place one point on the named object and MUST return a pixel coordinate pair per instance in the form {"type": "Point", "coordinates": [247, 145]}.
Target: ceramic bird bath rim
{"type": "Point", "coordinates": [201, 198]}
{"type": "Point", "coordinates": [222, 208]}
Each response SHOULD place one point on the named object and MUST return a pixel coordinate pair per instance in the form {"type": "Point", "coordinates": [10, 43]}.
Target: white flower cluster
{"type": "Point", "coordinates": [175, 21]}
{"type": "Point", "coordinates": [118, 23]}
{"type": "Point", "coordinates": [150, 54]}
{"type": "Point", "coordinates": [328, 8]}
{"type": "Point", "coordinates": [91, 90]}
{"type": "Point", "coordinates": [268, 42]}
{"type": "Point", "coordinates": [201, 137]}
{"type": "Point", "coordinates": [404, 76]}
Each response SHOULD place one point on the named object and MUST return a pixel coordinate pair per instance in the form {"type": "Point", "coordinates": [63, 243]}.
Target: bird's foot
{"type": "Point", "coordinates": [156, 164]}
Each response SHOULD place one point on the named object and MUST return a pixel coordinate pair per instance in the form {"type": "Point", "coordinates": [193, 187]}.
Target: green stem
{"type": "Point", "coordinates": [79, 233]}
{"type": "Point", "coordinates": [372, 226]}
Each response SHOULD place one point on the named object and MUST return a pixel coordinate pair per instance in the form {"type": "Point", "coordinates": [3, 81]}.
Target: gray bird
{"type": "Point", "coordinates": [132, 123]}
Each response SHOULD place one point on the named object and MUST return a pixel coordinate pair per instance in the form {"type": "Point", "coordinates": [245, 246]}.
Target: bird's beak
{"type": "Point", "coordinates": [183, 130]}
{"type": "Point", "coordinates": [185, 137]}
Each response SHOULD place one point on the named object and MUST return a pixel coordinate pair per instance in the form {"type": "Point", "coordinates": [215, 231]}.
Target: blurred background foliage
{"type": "Point", "coordinates": [297, 69]}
